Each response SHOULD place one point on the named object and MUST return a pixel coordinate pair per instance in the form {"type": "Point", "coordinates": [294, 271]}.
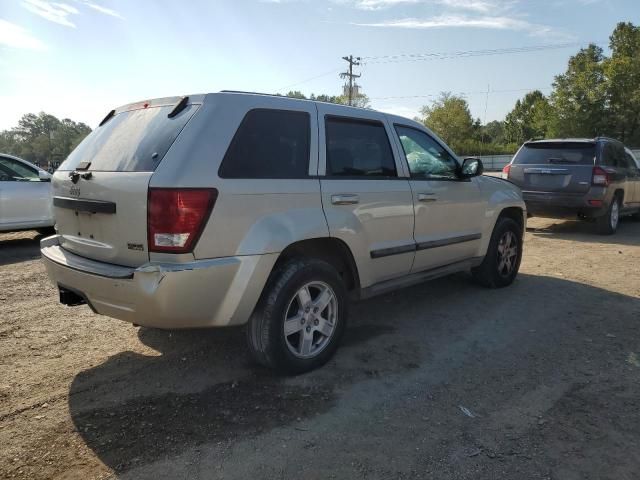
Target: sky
{"type": "Point", "coordinates": [79, 59]}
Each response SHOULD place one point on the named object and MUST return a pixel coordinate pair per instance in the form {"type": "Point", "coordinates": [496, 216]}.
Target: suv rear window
{"type": "Point", "coordinates": [563, 153]}
{"type": "Point", "coordinates": [269, 144]}
{"type": "Point", "coordinates": [132, 141]}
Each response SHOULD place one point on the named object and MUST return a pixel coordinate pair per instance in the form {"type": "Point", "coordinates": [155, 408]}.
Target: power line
{"type": "Point", "coordinates": [479, 92]}
{"type": "Point", "coordinates": [419, 57]}
{"type": "Point", "coordinates": [310, 79]}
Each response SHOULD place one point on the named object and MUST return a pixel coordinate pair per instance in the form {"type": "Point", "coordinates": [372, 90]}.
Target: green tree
{"type": "Point", "coordinates": [361, 100]}
{"type": "Point", "coordinates": [450, 118]}
{"type": "Point", "coordinates": [579, 98]}
{"type": "Point", "coordinates": [622, 71]}
{"type": "Point", "coordinates": [43, 139]}
{"type": "Point", "coordinates": [529, 118]}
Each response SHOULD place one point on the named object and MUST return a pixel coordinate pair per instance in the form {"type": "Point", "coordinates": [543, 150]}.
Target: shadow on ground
{"type": "Point", "coordinates": [628, 232]}
{"type": "Point", "coordinates": [19, 247]}
{"type": "Point", "coordinates": [201, 388]}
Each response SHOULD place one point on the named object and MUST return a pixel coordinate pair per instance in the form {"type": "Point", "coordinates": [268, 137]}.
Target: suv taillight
{"type": "Point", "coordinates": [506, 170]}
{"type": "Point", "coordinates": [177, 216]}
{"type": "Point", "coordinates": [600, 177]}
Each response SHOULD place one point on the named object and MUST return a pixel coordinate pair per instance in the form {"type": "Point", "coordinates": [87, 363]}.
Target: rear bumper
{"type": "Point", "coordinates": [205, 293]}
{"type": "Point", "coordinates": [566, 205]}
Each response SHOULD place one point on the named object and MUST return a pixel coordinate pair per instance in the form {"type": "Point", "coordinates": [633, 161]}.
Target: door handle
{"type": "Point", "coordinates": [345, 199]}
{"type": "Point", "coordinates": [427, 197]}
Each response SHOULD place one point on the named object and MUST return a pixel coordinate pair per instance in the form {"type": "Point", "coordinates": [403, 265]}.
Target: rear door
{"type": "Point", "coordinates": [25, 200]}
{"type": "Point", "coordinates": [366, 200]}
{"type": "Point", "coordinates": [565, 167]}
{"type": "Point", "coordinates": [100, 191]}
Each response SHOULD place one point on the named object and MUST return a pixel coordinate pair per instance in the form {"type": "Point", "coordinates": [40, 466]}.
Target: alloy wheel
{"type": "Point", "coordinates": [507, 253]}
{"type": "Point", "coordinates": [310, 319]}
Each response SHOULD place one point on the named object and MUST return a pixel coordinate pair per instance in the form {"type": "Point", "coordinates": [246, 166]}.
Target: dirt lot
{"type": "Point", "coordinates": [443, 380]}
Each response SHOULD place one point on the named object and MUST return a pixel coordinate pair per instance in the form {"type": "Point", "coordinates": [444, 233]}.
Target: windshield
{"type": "Point", "coordinates": [133, 141]}
{"type": "Point", "coordinates": [567, 153]}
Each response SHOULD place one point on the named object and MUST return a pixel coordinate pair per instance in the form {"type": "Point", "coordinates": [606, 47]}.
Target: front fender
{"type": "Point", "coordinates": [500, 194]}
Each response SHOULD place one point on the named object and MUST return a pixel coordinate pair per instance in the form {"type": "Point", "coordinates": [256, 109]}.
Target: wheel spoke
{"type": "Point", "coordinates": [325, 328]}
{"type": "Point", "coordinates": [293, 325]}
{"type": "Point", "coordinates": [306, 342]}
{"type": "Point", "coordinates": [323, 300]}
{"type": "Point", "coordinates": [304, 297]}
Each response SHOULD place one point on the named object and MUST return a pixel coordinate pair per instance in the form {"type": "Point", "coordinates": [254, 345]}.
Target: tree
{"type": "Point", "coordinates": [622, 71]}
{"type": "Point", "coordinates": [450, 118]}
{"type": "Point", "coordinates": [492, 132]}
{"type": "Point", "coordinates": [529, 118]}
{"type": "Point", "coordinates": [579, 98]}
{"type": "Point", "coordinates": [43, 139]}
{"type": "Point", "coordinates": [361, 100]}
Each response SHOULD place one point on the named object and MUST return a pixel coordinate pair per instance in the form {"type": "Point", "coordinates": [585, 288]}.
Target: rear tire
{"type": "Point", "coordinates": [607, 224]}
{"type": "Point", "coordinates": [300, 318]}
{"type": "Point", "coordinates": [502, 260]}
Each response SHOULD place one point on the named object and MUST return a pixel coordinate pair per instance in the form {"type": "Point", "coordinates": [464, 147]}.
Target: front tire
{"type": "Point", "coordinates": [502, 260]}
{"type": "Point", "coordinates": [608, 223]}
{"type": "Point", "coordinates": [300, 318]}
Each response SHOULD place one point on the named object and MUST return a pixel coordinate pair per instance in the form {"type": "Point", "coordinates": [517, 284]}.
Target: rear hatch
{"type": "Point", "coordinates": [100, 191]}
{"type": "Point", "coordinates": [554, 166]}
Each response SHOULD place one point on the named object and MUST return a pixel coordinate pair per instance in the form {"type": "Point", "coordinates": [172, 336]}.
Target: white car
{"type": "Point", "coordinates": [25, 196]}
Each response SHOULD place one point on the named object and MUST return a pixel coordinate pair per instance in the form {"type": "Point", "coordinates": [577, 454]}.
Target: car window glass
{"type": "Point", "coordinates": [426, 157]}
{"type": "Point", "coordinates": [631, 161]}
{"type": "Point", "coordinates": [624, 160]}
{"type": "Point", "coordinates": [18, 171]}
{"type": "Point", "coordinates": [131, 141]}
{"type": "Point", "coordinates": [608, 155]}
{"type": "Point", "coordinates": [269, 144]}
{"type": "Point", "coordinates": [358, 148]}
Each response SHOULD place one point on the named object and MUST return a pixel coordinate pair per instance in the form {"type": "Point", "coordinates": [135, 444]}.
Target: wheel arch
{"type": "Point", "coordinates": [329, 249]}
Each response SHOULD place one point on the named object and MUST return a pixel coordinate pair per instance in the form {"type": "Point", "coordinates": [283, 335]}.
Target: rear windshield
{"type": "Point", "coordinates": [133, 141]}
{"type": "Point", "coordinates": [562, 153]}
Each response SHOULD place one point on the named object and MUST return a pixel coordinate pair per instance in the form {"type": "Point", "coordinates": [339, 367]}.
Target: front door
{"type": "Point", "coordinates": [449, 211]}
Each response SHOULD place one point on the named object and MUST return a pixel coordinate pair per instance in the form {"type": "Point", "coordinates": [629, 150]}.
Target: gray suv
{"type": "Point", "coordinates": [233, 208]}
{"type": "Point", "coordinates": [592, 179]}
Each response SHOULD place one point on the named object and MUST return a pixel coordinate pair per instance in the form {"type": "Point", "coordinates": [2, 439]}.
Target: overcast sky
{"type": "Point", "coordinates": [81, 58]}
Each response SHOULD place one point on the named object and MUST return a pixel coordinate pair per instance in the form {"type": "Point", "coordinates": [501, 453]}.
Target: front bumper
{"type": "Point", "coordinates": [204, 293]}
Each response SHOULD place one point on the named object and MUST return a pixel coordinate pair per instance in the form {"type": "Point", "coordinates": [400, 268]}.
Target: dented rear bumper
{"type": "Point", "coordinates": [204, 293]}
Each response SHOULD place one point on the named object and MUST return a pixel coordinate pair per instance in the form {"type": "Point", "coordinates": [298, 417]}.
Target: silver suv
{"type": "Point", "coordinates": [234, 208]}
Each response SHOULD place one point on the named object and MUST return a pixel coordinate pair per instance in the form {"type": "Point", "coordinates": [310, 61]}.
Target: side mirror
{"type": "Point", "coordinates": [471, 167]}
{"type": "Point", "coordinates": [44, 176]}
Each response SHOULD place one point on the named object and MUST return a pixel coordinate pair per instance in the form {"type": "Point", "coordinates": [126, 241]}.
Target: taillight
{"type": "Point", "coordinates": [600, 177]}
{"type": "Point", "coordinates": [177, 216]}
{"type": "Point", "coordinates": [506, 170]}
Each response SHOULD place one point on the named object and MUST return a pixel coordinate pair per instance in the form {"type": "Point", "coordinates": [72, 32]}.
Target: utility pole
{"type": "Point", "coordinates": [350, 75]}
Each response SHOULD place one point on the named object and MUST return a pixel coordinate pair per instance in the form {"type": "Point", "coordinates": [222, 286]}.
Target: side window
{"type": "Point", "coordinates": [613, 155]}
{"type": "Point", "coordinates": [269, 144]}
{"type": "Point", "coordinates": [632, 161]}
{"type": "Point", "coordinates": [426, 157]}
{"type": "Point", "coordinates": [358, 148]}
{"type": "Point", "coordinates": [16, 171]}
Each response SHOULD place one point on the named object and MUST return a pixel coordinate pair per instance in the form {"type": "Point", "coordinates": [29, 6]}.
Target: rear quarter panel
{"type": "Point", "coordinates": [251, 216]}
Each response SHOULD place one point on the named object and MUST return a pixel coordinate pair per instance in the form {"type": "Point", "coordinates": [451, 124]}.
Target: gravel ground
{"type": "Point", "coordinates": [442, 380]}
